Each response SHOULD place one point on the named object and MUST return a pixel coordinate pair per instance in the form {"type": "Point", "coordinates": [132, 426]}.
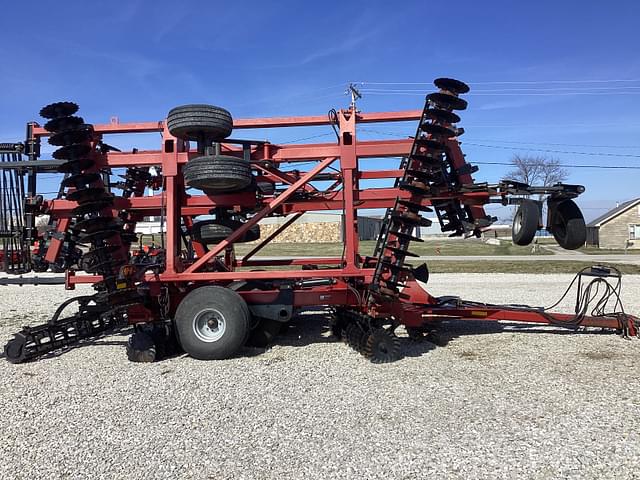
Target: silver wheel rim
{"type": "Point", "coordinates": [209, 325]}
{"type": "Point", "coordinates": [517, 223]}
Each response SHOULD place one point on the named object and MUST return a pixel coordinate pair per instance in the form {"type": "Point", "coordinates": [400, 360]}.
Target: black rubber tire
{"type": "Point", "coordinates": [266, 188]}
{"type": "Point", "coordinates": [217, 173]}
{"type": "Point", "coordinates": [141, 348]}
{"type": "Point", "coordinates": [197, 121]}
{"type": "Point", "coordinates": [15, 350]}
{"type": "Point", "coordinates": [567, 224]}
{"type": "Point", "coordinates": [437, 338]}
{"type": "Point", "coordinates": [211, 232]}
{"type": "Point", "coordinates": [525, 223]}
{"type": "Point", "coordinates": [231, 308]}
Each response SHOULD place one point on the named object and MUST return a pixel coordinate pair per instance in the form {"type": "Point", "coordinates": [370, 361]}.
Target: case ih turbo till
{"type": "Point", "coordinates": [193, 293]}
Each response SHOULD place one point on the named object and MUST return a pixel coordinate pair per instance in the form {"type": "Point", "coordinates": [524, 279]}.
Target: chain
{"type": "Point", "coordinates": [163, 301]}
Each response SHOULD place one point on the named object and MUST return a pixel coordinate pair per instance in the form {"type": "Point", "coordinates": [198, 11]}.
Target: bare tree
{"type": "Point", "coordinates": [537, 170]}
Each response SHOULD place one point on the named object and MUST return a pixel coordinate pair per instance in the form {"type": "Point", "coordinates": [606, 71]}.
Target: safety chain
{"type": "Point", "coordinates": [163, 301]}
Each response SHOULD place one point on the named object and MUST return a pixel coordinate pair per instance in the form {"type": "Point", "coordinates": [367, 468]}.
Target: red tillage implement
{"type": "Point", "coordinates": [194, 294]}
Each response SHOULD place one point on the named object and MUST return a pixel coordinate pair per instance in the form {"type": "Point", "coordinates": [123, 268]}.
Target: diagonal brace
{"type": "Point", "coordinates": [275, 203]}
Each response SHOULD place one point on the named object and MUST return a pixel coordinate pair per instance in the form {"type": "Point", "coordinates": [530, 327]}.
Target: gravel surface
{"type": "Point", "coordinates": [497, 402]}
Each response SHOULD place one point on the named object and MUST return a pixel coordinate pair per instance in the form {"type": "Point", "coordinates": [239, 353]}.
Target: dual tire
{"type": "Point", "coordinates": [567, 225]}
{"type": "Point", "coordinates": [565, 222]}
{"type": "Point", "coordinates": [200, 122]}
{"type": "Point", "coordinates": [213, 174]}
{"type": "Point", "coordinates": [211, 232]}
{"type": "Point", "coordinates": [525, 223]}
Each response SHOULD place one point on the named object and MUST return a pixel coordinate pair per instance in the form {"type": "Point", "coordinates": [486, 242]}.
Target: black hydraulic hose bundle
{"type": "Point", "coordinates": [602, 296]}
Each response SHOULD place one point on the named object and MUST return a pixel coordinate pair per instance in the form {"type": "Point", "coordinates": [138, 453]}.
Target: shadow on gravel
{"type": "Point", "coordinates": [314, 326]}
{"type": "Point", "coordinates": [310, 327]}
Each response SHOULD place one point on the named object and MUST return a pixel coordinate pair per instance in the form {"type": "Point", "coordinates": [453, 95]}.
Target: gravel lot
{"type": "Point", "coordinates": [495, 403]}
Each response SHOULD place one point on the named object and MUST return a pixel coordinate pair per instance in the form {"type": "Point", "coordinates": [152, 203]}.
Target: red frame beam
{"type": "Point", "coordinates": [246, 123]}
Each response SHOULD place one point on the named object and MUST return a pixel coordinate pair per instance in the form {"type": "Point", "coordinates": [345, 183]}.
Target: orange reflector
{"type": "Point", "coordinates": [478, 313]}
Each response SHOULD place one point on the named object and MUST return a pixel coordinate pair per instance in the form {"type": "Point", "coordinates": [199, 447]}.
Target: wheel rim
{"type": "Point", "coordinates": [209, 325]}
{"type": "Point", "coordinates": [517, 223]}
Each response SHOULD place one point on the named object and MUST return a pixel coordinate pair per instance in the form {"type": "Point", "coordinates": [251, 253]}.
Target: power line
{"type": "Point", "coordinates": [556, 144]}
{"type": "Point", "coordinates": [543, 82]}
{"type": "Point", "coordinates": [602, 167]}
{"type": "Point", "coordinates": [514, 82]}
{"type": "Point", "coordinates": [306, 138]}
{"type": "Point", "coordinates": [546, 150]}
{"type": "Point", "coordinates": [553, 89]}
{"type": "Point", "coordinates": [597, 167]}
{"type": "Point", "coordinates": [508, 94]}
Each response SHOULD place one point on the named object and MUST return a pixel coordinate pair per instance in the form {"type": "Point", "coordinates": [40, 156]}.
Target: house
{"type": "Point", "coordinates": [618, 228]}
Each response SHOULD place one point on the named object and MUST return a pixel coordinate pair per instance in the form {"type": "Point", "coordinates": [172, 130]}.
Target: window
{"type": "Point", "coordinates": [634, 232]}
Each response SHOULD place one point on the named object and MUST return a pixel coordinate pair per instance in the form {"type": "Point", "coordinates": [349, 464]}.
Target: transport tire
{"type": "Point", "coordinates": [567, 225]}
{"type": "Point", "coordinates": [525, 223]}
{"type": "Point", "coordinates": [217, 173]}
{"type": "Point", "coordinates": [195, 122]}
{"type": "Point", "coordinates": [211, 232]}
{"type": "Point", "coordinates": [266, 188]}
{"type": "Point", "coordinates": [212, 323]}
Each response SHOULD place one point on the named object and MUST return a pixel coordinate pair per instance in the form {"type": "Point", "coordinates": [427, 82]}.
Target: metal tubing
{"type": "Point", "coordinates": [261, 214]}
{"type": "Point", "coordinates": [275, 122]}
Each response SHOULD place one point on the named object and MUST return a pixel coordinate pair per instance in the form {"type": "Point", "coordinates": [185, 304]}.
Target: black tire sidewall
{"type": "Point", "coordinates": [210, 173]}
{"type": "Point", "coordinates": [567, 225]}
{"type": "Point", "coordinates": [209, 232]}
{"type": "Point", "coordinates": [190, 121]}
{"type": "Point", "coordinates": [528, 216]}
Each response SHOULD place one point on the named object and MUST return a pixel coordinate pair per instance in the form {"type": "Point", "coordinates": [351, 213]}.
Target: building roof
{"type": "Point", "coordinates": [611, 214]}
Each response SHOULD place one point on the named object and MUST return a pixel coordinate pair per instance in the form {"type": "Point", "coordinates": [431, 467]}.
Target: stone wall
{"type": "Point", "coordinates": [304, 233]}
{"type": "Point", "coordinates": [615, 233]}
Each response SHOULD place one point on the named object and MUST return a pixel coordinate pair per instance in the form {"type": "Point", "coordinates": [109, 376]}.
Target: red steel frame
{"type": "Point", "coordinates": [266, 158]}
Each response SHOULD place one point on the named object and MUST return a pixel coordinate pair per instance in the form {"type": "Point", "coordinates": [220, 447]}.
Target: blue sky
{"type": "Point", "coordinates": [138, 59]}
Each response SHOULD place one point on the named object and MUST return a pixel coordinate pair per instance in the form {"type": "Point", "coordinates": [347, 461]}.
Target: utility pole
{"type": "Point", "coordinates": [355, 95]}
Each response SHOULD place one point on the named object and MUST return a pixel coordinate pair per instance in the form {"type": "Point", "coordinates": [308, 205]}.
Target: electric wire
{"type": "Point", "coordinates": [503, 90]}
{"type": "Point", "coordinates": [553, 144]}
{"type": "Point", "coordinates": [514, 82]}
{"type": "Point", "coordinates": [306, 138]}
{"type": "Point", "coordinates": [601, 167]}
{"type": "Point", "coordinates": [508, 94]}
{"type": "Point", "coordinates": [568, 165]}
{"type": "Point", "coordinates": [567, 152]}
